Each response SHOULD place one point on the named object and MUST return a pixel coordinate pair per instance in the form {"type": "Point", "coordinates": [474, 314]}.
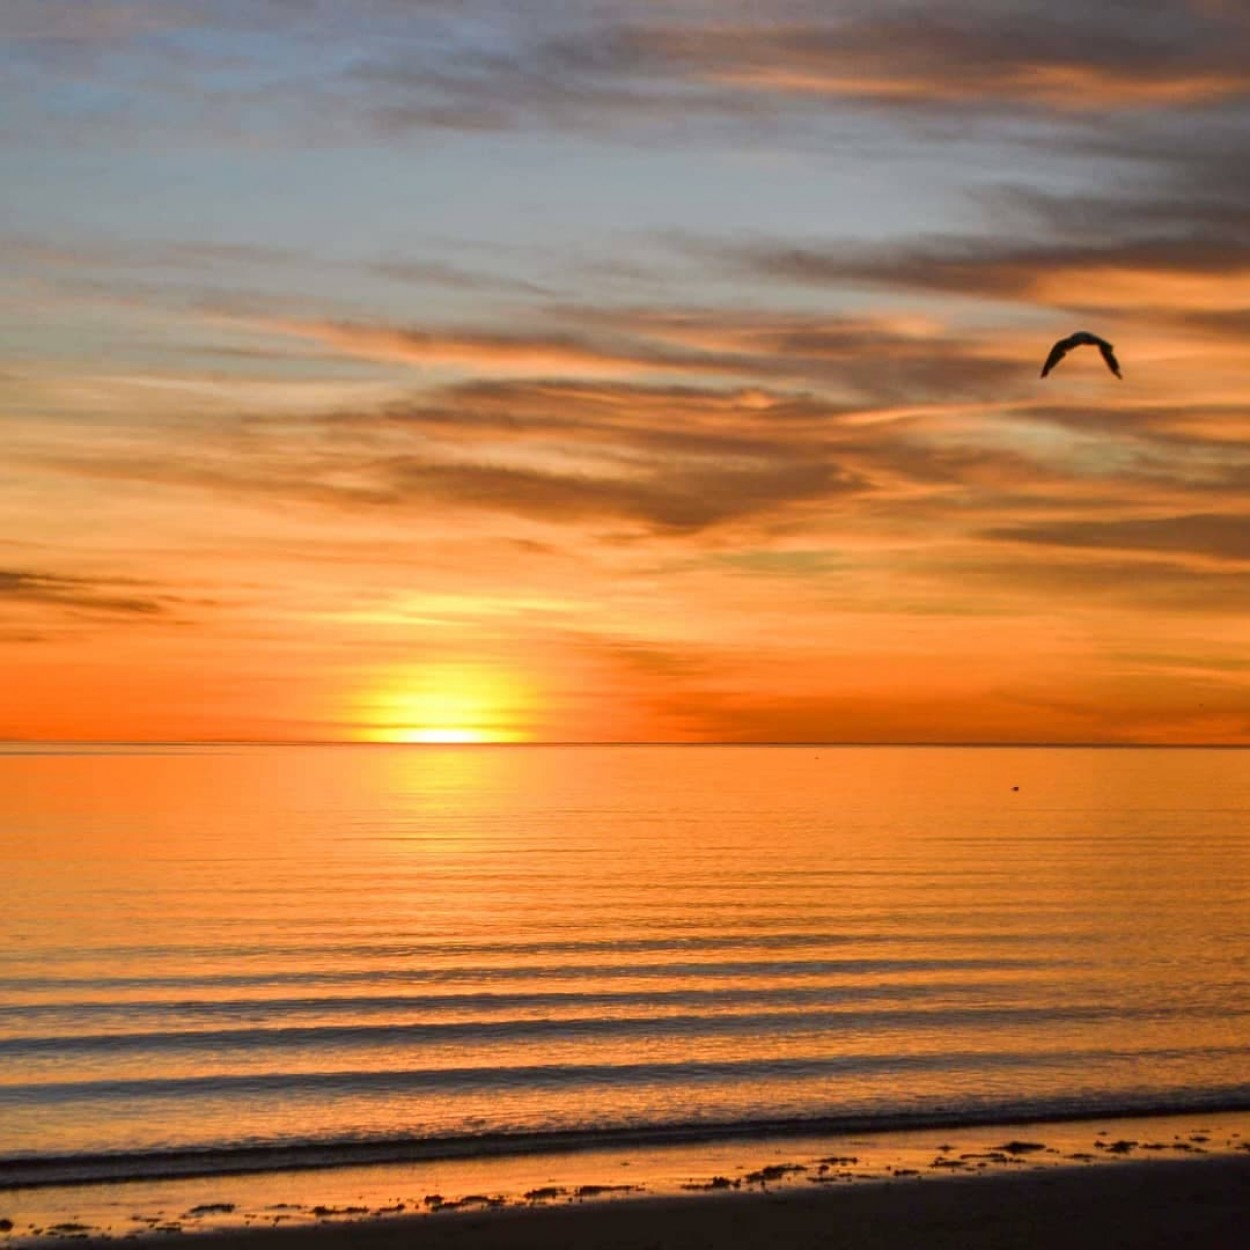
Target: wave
{"type": "Point", "coordinates": [564, 946]}
{"type": "Point", "coordinates": [266, 1038]}
{"type": "Point", "coordinates": [487, 1001]}
{"type": "Point", "coordinates": [571, 1075]}
{"type": "Point", "coordinates": [417, 976]}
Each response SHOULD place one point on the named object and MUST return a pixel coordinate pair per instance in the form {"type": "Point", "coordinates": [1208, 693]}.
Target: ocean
{"type": "Point", "coordinates": [234, 957]}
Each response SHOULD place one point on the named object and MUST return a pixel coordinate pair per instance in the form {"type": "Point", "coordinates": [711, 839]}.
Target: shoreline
{"type": "Point", "coordinates": [1148, 1206]}
{"type": "Point", "coordinates": [369, 1201]}
{"type": "Point", "coordinates": [193, 1164]}
{"type": "Point", "coordinates": [1144, 1205]}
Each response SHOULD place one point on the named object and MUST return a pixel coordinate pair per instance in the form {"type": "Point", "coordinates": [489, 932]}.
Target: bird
{"type": "Point", "coordinates": [1082, 338]}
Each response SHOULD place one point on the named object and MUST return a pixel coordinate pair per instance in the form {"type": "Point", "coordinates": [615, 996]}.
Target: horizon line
{"type": "Point", "coordinates": [831, 744]}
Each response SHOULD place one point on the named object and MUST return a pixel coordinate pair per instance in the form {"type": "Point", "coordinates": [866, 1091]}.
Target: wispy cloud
{"type": "Point", "coordinates": [1221, 536]}
{"type": "Point", "coordinates": [482, 350]}
{"type": "Point", "coordinates": [99, 21]}
{"type": "Point", "coordinates": [760, 416]}
{"type": "Point", "coordinates": [1066, 58]}
{"type": "Point", "coordinates": [398, 67]}
{"type": "Point", "coordinates": [878, 356]}
{"type": "Point", "coordinates": [80, 594]}
{"type": "Point", "coordinates": [1156, 275]}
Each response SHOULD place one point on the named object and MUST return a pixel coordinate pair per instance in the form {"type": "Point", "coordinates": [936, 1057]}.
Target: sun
{"type": "Point", "coordinates": [443, 735]}
{"type": "Point", "coordinates": [446, 704]}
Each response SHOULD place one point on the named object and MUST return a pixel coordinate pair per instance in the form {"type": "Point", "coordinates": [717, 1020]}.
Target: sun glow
{"type": "Point", "coordinates": [446, 703]}
{"type": "Point", "coordinates": [444, 736]}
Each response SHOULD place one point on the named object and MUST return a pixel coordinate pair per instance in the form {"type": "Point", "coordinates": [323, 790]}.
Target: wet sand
{"type": "Point", "coordinates": [1115, 1182]}
{"type": "Point", "coordinates": [1140, 1205]}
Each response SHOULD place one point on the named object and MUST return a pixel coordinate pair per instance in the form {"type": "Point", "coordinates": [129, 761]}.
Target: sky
{"type": "Point", "coordinates": [582, 370]}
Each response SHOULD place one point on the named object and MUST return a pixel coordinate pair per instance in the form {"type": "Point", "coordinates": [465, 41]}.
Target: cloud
{"type": "Point", "coordinates": [482, 350]}
{"type": "Point", "coordinates": [454, 277]}
{"type": "Point", "coordinates": [396, 67]}
{"type": "Point", "coordinates": [863, 356]}
{"type": "Point", "coordinates": [1157, 230]}
{"type": "Point", "coordinates": [957, 680]}
{"type": "Point", "coordinates": [1219, 536]}
{"type": "Point", "coordinates": [1089, 581]}
{"type": "Point", "coordinates": [99, 20]}
{"type": "Point", "coordinates": [361, 474]}
{"type": "Point", "coordinates": [894, 419]}
{"type": "Point", "coordinates": [78, 594]}
{"type": "Point", "coordinates": [1059, 58]}
{"type": "Point", "coordinates": [678, 499]}
{"type": "Point", "coordinates": [624, 418]}
{"type": "Point", "coordinates": [1160, 273]}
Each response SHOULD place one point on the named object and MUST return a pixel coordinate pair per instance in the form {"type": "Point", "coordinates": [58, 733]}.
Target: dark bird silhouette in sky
{"type": "Point", "coordinates": [1082, 338]}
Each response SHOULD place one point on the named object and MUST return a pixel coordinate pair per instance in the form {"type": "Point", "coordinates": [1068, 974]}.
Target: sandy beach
{"type": "Point", "coordinates": [1130, 1206]}
{"type": "Point", "coordinates": [1113, 1182]}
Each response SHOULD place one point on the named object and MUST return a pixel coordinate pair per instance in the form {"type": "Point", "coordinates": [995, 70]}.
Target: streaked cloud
{"type": "Point", "coordinates": [1219, 536]}
{"type": "Point", "coordinates": [1165, 274]}
{"type": "Point", "coordinates": [1065, 58]}
{"type": "Point", "coordinates": [877, 356]}
{"type": "Point", "coordinates": [485, 67]}
{"type": "Point", "coordinates": [98, 21]}
{"type": "Point", "coordinates": [79, 594]}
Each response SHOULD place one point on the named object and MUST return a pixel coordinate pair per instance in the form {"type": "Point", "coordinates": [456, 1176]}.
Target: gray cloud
{"type": "Point", "coordinates": [810, 409]}
{"type": "Point", "coordinates": [866, 357]}
{"type": "Point", "coordinates": [686, 499]}
{"type": "Point", "coordinates": [1060, 57]}
{"type": "Point", "coordinates": [1006, 268]}
{"type": "Point", "coordinates": [484, 66]}
{"type": "Point", "coordinates": [453, 277]}
{"type": "Point", "coordinates": [656, 421]}
{"type": "Point", "coordinates": [474, 448]}
{"type": "Point", "coordinates": [99, 21]}
{"type": "Point", "coordinates": [79, 594]}
{"type": "Point", "coordinates": [1221, 536]}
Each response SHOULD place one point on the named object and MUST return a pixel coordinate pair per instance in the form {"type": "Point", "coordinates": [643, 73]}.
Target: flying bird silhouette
{"type": "Point", "coordinates": [1082, 338]}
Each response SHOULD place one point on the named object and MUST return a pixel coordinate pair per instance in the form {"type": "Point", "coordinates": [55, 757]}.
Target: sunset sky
{"type": "Point", "coordinates": [554, 370]}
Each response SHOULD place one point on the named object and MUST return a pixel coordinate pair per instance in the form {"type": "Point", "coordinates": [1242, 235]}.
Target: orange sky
{"type": "Point", "coordinates": [622, 376]}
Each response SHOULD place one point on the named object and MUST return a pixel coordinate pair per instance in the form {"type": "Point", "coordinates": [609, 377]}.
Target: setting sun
{"type": "Point", "coordinates": [445, 703]}
{"type": "Point", "coordinates": [446, 736]}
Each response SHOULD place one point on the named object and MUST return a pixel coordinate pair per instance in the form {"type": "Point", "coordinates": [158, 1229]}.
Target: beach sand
{"type": "Point", "coordinates": [1176, 1181]}
{"type": "Point", "coordinates": [1198, 1204]}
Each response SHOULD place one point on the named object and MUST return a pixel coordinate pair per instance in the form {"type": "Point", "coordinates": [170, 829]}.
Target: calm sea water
{"type": "Point", "coordinates": [232, 948]}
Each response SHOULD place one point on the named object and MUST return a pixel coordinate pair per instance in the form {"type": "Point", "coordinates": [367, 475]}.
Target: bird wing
{"type": "Point", "coordinates": [1109, 356]}
{"type": "Point", "coordinates": [1057, 353]}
